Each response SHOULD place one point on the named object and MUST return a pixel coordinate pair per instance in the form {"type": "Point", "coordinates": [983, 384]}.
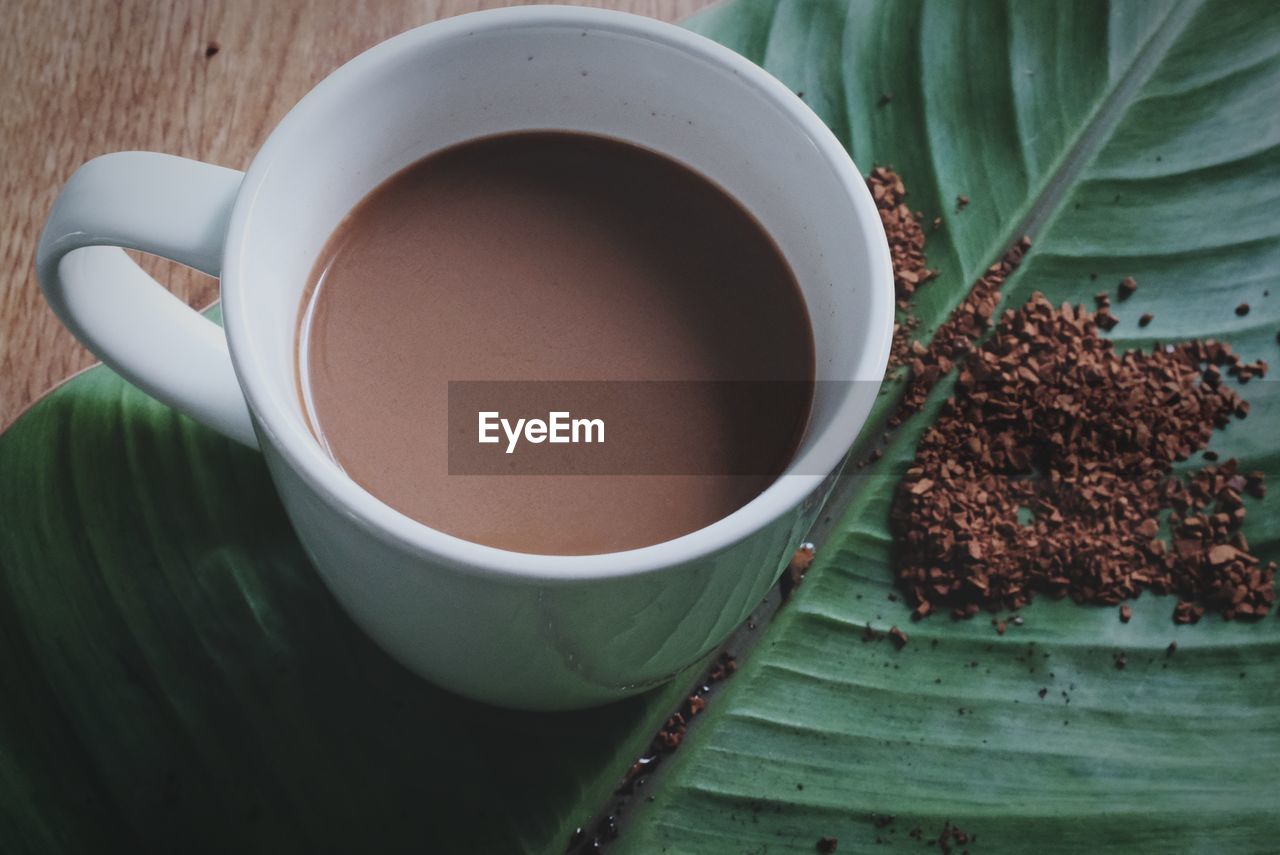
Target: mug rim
{"type": "Point", "coordinates": [307, 459]}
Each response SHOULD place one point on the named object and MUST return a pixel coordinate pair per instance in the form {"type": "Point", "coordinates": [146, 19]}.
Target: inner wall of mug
{"type": "Point", "coordinates": [429, 90]}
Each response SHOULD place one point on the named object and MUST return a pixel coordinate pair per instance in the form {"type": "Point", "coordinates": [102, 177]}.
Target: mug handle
{"type": "Point", "coordinates": [165, 205]}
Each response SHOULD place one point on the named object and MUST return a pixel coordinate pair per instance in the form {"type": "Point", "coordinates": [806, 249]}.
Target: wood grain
{"type": "Point", "coordinates": [200, 79]}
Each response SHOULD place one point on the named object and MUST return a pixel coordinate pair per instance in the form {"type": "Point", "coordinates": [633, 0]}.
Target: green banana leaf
{"type": "Point", "coordinates": [1131, 138]}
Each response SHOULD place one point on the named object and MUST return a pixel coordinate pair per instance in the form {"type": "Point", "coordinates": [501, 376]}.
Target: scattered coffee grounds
{"type": "Point", "coordinates": [673, 730]}
{"type": "Point", "coordinates": [898, 637]}
{"type": "Point", "coordinates": [951, 837]}
{"type": "Point", "coordinates": [967, 323]}
{"type": "Point", "coordinates": [667, 740]}
{"type": "Point", "coordinates": [1242, 309]}
{"type": "Point", "coordinates": [1244, 372]}
{"type": "Point", "coordinates": [970, 320]}
{"type": "Point", "coordinates": [962, 202]}
{"type": "Point", "coordinates": [906, 249]}
{"type": "Point", "coordinates": [827, 845]}
{"type": "Point", "coordinates": [1145, 319]}
{"type": "Point", "coordinates": [1050, 467]}
{"type": "Point", "coordinates": [1126, 288]}
{"type": "Point", "coordinates": [794, 574]}
{"type": "Point", "coordinates": [903, 348]}
{"type": "Point", "coordinates": [902, 227]}
{"type": "Point", "coordinates": [1126, 614]}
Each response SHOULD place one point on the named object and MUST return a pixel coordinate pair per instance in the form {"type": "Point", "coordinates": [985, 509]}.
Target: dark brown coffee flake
{"type": "Point", "coordinates": [1242, 309]}
{"type": "Point", "coordinates": [796, 569]}
{"type": "Point", "coordinates": [1186, 612]}
{"type": "Point", "coordinates": [1127, 286]}
{"type": "Point", "coordinates": [827, 845]}
{"type": "Point", "coordinates": [1145, 319]}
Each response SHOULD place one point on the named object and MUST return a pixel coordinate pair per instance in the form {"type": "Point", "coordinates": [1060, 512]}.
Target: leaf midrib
{"type": "Point", "coordinates": [1041, 205]}
{"type": "Point", "coordinates": [1102, 122]}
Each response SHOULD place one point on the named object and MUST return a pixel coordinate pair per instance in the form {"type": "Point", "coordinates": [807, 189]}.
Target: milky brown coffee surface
{"type": "Point", "coordinates": [547, 256]}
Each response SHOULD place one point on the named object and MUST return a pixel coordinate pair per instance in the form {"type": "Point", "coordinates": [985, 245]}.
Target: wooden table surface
{"type": "Point", "coordinates": [201, 79]}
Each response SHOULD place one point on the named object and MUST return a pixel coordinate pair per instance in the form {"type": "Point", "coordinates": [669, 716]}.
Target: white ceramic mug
{"type": "Point", "coordinates": [531, 631]}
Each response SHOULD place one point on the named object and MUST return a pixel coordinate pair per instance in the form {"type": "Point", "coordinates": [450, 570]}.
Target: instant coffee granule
{"type": "Point", "coordinates": [797, 567]}
{"type": "Point", "coordinates": [1050, 471]}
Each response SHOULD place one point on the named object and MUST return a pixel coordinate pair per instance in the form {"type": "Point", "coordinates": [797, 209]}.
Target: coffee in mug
{"type": "Point", "coordinates": [554, 257]}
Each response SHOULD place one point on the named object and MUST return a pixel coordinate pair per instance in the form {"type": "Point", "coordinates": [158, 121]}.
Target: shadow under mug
{"type": "Point", "coordinates": [519, 630]}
